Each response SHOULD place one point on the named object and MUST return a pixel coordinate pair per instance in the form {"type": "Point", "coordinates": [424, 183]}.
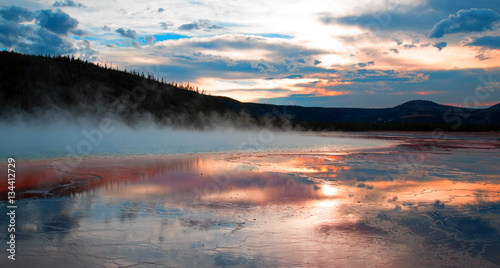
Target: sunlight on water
{"type": "Point", "coordinates": [295, 208]}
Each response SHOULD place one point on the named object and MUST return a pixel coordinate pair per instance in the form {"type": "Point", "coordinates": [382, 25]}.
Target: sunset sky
{"type": "Point", "coordinates": [341, 53]}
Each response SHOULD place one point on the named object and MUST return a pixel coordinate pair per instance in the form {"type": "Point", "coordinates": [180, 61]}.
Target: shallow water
{"type": "Point", "coordinates": [421, 202]}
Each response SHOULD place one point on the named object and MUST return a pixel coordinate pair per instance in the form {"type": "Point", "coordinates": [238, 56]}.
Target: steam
{"type": "Point", "coordinates": [29, 140]}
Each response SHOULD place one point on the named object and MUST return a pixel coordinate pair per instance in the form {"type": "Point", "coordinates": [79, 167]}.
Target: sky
{"type": "Point", "coordinates": [342, 53]}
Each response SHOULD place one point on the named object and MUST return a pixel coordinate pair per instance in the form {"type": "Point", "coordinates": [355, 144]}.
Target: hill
{"type": "Point", "coordinates": [71, 88]}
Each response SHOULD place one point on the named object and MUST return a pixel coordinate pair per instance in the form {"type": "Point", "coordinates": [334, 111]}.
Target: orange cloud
{"type": "Point", "coordinates": [426, 92]}
{"type": "Point", "coordinates": [324, 92]}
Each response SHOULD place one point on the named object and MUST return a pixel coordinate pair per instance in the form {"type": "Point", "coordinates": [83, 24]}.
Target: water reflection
{"type": "Point", "coordinates": [264, 209]}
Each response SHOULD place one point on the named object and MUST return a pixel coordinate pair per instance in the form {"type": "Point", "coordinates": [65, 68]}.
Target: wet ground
{"type": "Point", "coordinates": [424, 201]}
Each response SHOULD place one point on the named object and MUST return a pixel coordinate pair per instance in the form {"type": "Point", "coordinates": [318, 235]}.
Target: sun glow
{"type": "Point", "coordinates": [328, 190]}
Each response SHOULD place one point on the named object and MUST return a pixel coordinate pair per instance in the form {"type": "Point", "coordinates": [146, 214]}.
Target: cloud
{"type": "Point", "coordinates": [80, 33]}
{"type": "Point", "coordinates": [374, 76]}
{"type": "Point", "coordinates": [201, 24]}
{"type": "Point", "coordinates": [16, 14]}
{"type": "Point", "coordinates": [44, 41]}
{"type": "Point", "coordinates": [194, 58]}
{"type": "Point", "coordinates": [150, 39]}
{"type": "Point", "coordinates": [127, 33]}
{"type": "Point", "coordinates": [189, 27]}
{"type": "Point", "coordinates": [395, 50]}
{"type": "Point", "coordinates": [190, 59]}
{"type": "Point", "coordinates": [86, 51]}
{"type": "Point", "coordinates": [166, 25]}
{"type": "Point", "coordinates": [278, 50]}
{"type": "Point", "coordinates": [13, 35]}
{"type": "Point", "coordinates": [263, 66]}
{"type": "Point", "coordinates": [440, 45]}
{"type": "Point", "coordinates": [482, 57]}
{"type": "Point", "coordinates": [420, 17]}
{"type": "Point", "coordinates": [292, 76]}
{"type": "Point", "coordinates": [488, 41]}
{"type": "Point", "coordinates": [274, 35]}
{"type": "Point", "coordinates": [363, 64]}
{"type": "Point", "coordinates": [47, 35]}
{"type": "Point", "coordinates": [407, 46]}
{"type": "Point", "coordinates": [415, 40]}
{"type": "Point", "coordinates": [416, 19]}
{"type": "Point", "coordinates": [56, 22]}
{"type": "Point", "coordinates": [453, 86]}
{"type": "Point", "coordinates": [465, 21]}
{"type": "Point", "coordinates": [68, 3]}
{"type": "Point", "coordinates": [294, 64]}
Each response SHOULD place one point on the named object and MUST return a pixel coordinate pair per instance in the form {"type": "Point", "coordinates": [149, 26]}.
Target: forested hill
{"type": "Point", "coordinates": [68, 87]}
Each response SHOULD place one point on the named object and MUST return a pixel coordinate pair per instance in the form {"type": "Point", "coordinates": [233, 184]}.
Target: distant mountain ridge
{"type": "Point", "coordinates": [495, 107]}
{"type": "Point", "coordinates": [32, 85]}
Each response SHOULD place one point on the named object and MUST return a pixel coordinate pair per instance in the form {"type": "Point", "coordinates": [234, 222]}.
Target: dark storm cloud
{"type": "Point", "coordinates": [440, 45]}
{"type": "Point", "coordinates": [488, 41]}
{"type": "Point", "coordinates": [465, 21]}
{"type": "Point", "coordinates": [50, 43]}
{"type": "Point", "coordinates": [12, 29]}
{"type": "Point", "coordinates": [57, 22]}
{"type": "Point", "coordinates": [12, 35]}
{"type": "Point", "coordinates": [127, 33]}
{"type": "Point", "coordinates": [48, 35]}
{"type": "Point", "coordinates": [16, 14]}
{"type": "Point", "coordinates": [68, 3]}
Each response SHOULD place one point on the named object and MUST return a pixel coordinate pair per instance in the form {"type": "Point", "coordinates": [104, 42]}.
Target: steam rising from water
{"type": "Point", "coordinates": [60, 139]}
